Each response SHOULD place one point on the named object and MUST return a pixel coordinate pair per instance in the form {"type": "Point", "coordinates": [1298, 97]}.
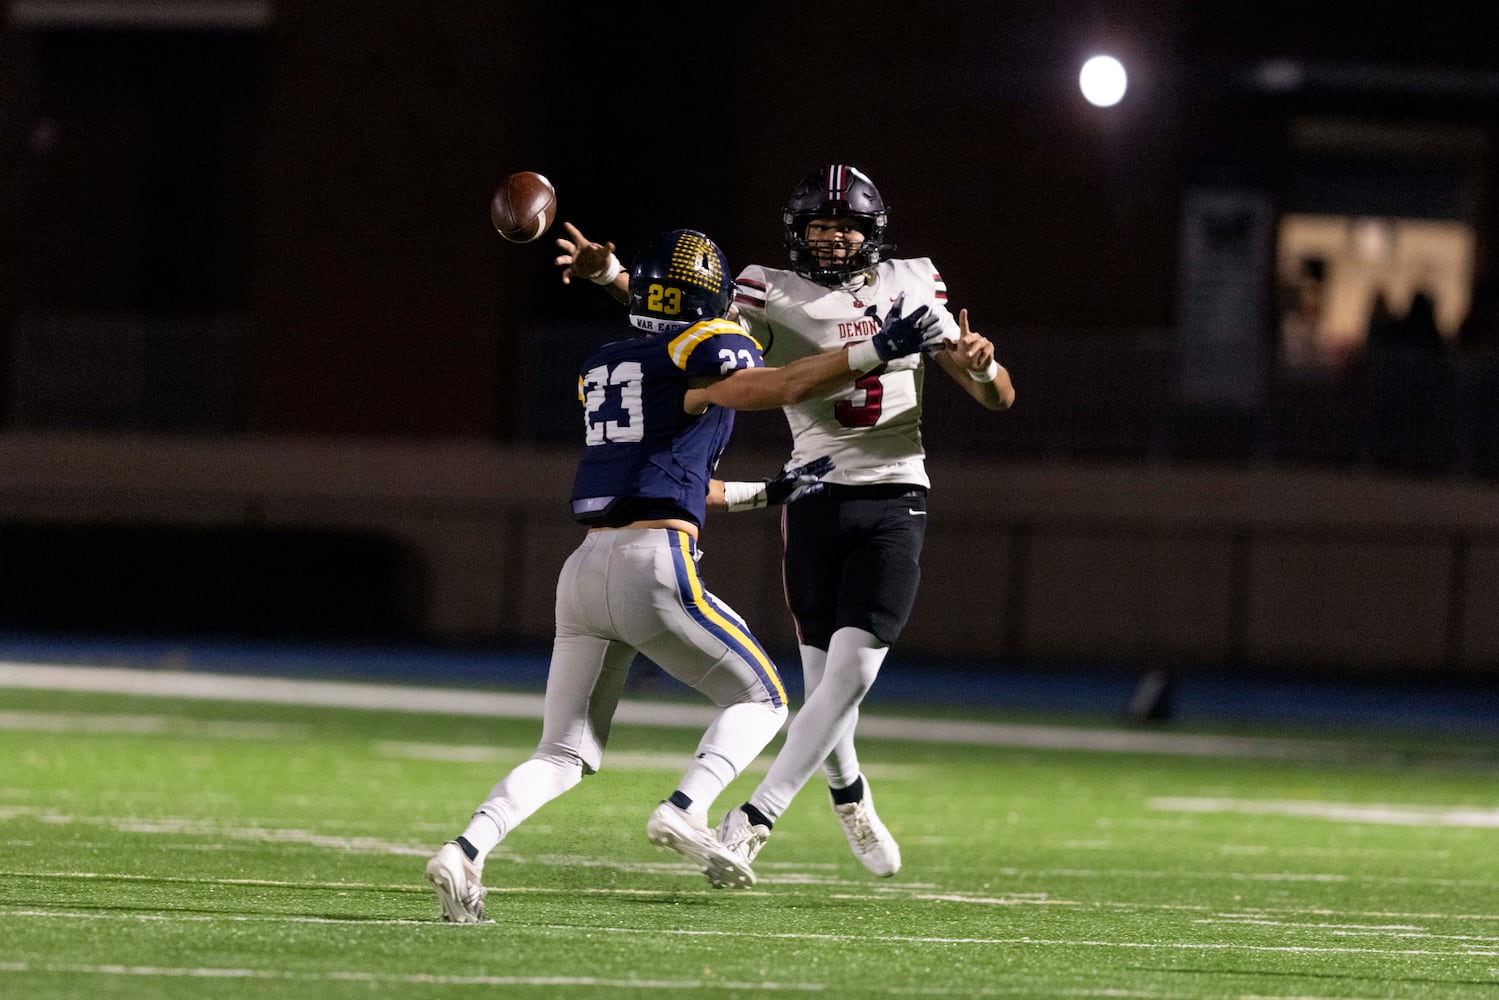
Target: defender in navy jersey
{"type": "Point", "coordinates": [657, 413]}
{"type": "Point", "coordinates": [647, 456]}
{"type": "Point", "coordinates": [851, 561]}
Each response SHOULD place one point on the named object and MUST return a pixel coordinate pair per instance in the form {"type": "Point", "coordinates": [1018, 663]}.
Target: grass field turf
{"type": "Point", "coordinates": [174, 848]}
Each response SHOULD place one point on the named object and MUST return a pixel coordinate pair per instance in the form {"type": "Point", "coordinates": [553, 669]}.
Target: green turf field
{"type": "Point", "coordinates": [154, 847]}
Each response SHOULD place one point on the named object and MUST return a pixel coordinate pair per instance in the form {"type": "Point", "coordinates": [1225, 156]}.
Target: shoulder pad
{"type": "Point", "coordinates": [750, 288]}
{"type": "Point", "coordinates": [680, 348]}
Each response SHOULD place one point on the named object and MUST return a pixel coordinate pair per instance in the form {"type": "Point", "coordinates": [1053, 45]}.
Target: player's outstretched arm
{"type": "Point", "coordinates": [772, 388]}
{"type": "Point", "coordinates": [595, 262]}
{"type": "Point", "coordinates": [806, 378]}
{"type": "Point", "coordinates": [970, 362]}
{"type": "Point", "coordinates": [787, 487]}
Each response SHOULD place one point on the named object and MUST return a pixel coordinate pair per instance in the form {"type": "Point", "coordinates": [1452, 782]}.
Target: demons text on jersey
{"type": "Point", "coordinates": [862, 328]}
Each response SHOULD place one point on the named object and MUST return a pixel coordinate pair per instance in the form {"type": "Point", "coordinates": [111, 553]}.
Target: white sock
{"type": "Point", "coordinates": [825, 718]}
{"type": "Point", "coordinates": [731, 743]}
{"type": "Point", "coordinates": [532, 784]}
{"type": "Point", "coordinates": [842, 765]}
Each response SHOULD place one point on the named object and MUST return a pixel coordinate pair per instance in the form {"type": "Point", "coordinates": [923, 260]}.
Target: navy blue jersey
{"type": "Point", "coordinates": [646, 457]}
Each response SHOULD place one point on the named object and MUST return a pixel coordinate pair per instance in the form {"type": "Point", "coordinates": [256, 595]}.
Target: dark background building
{"type": "Point", "coordinates": [249, 293]}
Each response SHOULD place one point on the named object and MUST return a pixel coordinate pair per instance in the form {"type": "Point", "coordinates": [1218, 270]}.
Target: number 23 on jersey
{"type": "Point", "coordinates": [626, 422]}
{"type": "Point", "coordinates": [613, 401]}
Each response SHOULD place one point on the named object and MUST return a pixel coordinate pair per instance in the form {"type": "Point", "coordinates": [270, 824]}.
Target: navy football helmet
{"type": "Point", "coordinates": [680, 279]}
{"type": "Point", "coordinates": [837, 191]}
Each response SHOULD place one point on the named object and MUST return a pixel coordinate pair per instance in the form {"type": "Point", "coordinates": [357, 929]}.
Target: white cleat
{"type": "Point", "coordinates": [867, 836]}
{"type": "Point", "coordinates": [455, 879]}
{"type": "Point", "coordinates": [690, 837]}
{"type": "Point", "coordinates": [742, 836]}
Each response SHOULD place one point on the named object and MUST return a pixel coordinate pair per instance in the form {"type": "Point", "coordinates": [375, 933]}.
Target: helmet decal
{"type": "Point", "coordinates": [679, 279]}
{"type": "Point", "coordinates": [838, 182]}
{"type": "Point", "coordinates": [697, 261]}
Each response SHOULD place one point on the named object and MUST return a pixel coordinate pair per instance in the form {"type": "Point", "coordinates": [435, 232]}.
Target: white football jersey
{"type": "Point", "coordinates": [872, 428]}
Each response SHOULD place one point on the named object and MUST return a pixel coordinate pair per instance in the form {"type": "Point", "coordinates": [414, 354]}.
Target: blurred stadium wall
{"type": "Point", "coordinates": [267, 370]}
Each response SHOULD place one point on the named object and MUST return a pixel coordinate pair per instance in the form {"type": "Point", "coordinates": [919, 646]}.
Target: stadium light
{"type": "Point", "coordinates": [1103, 81]}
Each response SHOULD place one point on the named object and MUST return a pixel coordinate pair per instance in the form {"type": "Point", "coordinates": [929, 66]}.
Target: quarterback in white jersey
{"type": "Point", "coordinates": [852, 553]}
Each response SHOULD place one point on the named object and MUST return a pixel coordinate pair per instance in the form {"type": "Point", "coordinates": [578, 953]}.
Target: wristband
{"type": "Point", "coordinates": [862, 356]}
{"type": "Point", "coordinates": [745, 496]}
{"type": "Point", "coordinates": [609, 273]}
{"type": "Point", "coordinates": [987, 375]}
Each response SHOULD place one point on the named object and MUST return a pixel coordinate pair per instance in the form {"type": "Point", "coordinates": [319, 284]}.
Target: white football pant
{"type": "Point", "coordinates": [621, 592]}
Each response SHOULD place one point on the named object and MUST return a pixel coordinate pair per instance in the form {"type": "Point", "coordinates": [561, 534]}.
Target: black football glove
{"type": "Point", "coordinates": [902, 335]}
{"type": "Point", "coordinates": [793, 484]}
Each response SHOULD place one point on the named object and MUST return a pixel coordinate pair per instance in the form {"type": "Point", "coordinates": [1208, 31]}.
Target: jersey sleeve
{"type": "Point", "coordinates": [930, 277]}
{"type": "Point", "coordinates": [714, 347]}
{"type": "Point", "coordinates": [751, 291]}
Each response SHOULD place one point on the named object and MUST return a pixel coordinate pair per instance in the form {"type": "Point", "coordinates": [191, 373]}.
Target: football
{"type": "Point", "coordinates": [523, 206]}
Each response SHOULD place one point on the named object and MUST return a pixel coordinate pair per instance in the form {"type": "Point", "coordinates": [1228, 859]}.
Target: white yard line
{"type": "Point", "coordinates": [591, 982]}
{"type": "Point", "coordinates": [860, 938]}
{"type": "Point", "coordinates": [200, 827]}
{"type": "Point", "coordinates": [459, 701]}
{"type": "Point", "coordinates": [1344, 930]}
{"type": "Point", "coordinates": [148, 725]}
{"type": "Point", "coordinates": [1343, 812]}
{"type": "Point", "coordinates": [1197, 946]}
{"type": "Point", "coordinates": [854, 891]}
{"type": "Point", "coordinates": [271, 690]}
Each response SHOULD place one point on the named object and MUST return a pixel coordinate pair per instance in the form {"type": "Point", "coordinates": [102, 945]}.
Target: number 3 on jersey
{"type": "Point", "coordinates": [865, 414]}
{"type": "Point", "coordinates": [613, 417]}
